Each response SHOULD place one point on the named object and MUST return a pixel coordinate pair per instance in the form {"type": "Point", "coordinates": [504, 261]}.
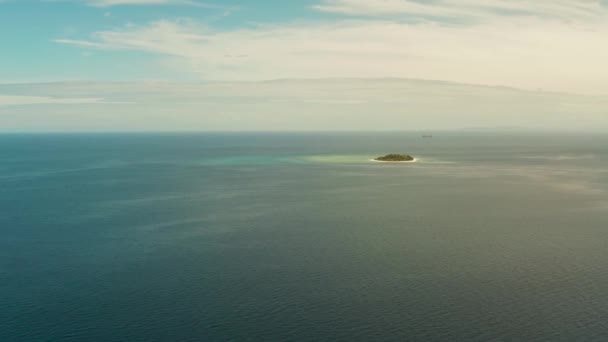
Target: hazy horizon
{"type": "Point", "coordinates": [148, 65]}
{"type": "Point", "coordinates": [339, 104]}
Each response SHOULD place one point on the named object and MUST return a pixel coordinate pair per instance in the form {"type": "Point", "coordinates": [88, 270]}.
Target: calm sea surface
{"type": "Point", "coordinates": [299, 237]}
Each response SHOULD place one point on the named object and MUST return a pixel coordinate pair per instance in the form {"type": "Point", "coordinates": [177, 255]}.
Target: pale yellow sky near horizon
{"type": "Point", "coordinates": [338, 104]}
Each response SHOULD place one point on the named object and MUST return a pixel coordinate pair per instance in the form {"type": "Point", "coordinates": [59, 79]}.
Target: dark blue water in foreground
{"type": "Point", "coordinates": [296, 237]}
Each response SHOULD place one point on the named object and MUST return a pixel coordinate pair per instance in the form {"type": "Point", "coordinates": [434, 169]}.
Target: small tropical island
{"type": "Point", "coordinates": [395, 158]}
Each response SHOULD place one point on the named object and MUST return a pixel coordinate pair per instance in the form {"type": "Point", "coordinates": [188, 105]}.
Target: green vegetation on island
{"type": "Point", "coordinates": [395, 158]}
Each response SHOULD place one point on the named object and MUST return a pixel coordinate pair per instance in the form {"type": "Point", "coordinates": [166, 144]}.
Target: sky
{"type": "Point", "coordinates": [336, 64]}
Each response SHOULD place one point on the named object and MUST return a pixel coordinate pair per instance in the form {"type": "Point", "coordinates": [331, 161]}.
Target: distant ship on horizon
{"type": "Point", "coordinates": [427, 135]}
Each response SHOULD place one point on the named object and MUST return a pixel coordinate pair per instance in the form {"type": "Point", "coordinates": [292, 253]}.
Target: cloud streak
{"type": "Point", "coordinates": [510, 50]}
{"type": "Point", "coordinates": [109, 3]}
{"type": "Point", "coordinates": [325, 104]}
{"type": "Point", "coordinates": [18, 100]}
{"type": "Point", "coordinates": [468, 9]}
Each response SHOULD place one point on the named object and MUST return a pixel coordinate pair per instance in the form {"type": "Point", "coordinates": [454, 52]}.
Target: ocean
{"type": "Point", "coordinates": [489, 236]}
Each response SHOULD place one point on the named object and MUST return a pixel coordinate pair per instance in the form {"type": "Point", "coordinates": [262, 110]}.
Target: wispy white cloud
{"type": "Point", "coordinates": [467, 9]}
{"type": "Point", "coordinates": [20, 100]}
{"type": "Point", "coordinates": [109, 3]}
{"type": "Point", "coordinates": [519, 51]}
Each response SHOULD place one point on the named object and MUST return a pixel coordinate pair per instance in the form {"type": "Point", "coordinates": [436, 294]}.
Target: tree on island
{"type": "Point", "coordinates": [395, 157]}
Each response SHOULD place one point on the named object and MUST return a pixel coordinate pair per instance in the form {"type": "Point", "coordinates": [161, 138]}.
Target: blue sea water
{"type": "Point", "coordinates": [300, 237]}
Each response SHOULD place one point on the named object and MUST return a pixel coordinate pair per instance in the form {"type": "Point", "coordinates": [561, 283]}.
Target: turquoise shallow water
{"type": "Point", "coordinates": [228, 237]}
